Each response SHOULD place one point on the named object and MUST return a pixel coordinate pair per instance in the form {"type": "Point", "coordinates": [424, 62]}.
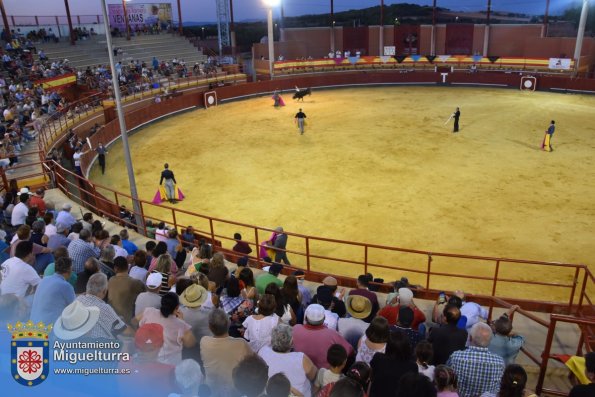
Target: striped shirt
{"type": "Point", "coordinates": [478, 371]}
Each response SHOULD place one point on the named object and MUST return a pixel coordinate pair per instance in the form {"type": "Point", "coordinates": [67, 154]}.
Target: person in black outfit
{"type": "Point", "coordinates": [388, 368]}
{"type": "Point", "coordinates": [170, 180]}
{"type": "Point", "coordinates": [586, 390]}
{"type": "Point", "coordinates": [447, 338]}
{"type": "Point", "coordinates": [456, 116]}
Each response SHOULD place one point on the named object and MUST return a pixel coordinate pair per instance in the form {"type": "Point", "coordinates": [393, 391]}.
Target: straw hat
{"type": "Point", "coordinates": [76, 320]}
{"type": "Point", "coordinates": [193, 296]}
{"type": "Point", "coordinates": [358, 306]}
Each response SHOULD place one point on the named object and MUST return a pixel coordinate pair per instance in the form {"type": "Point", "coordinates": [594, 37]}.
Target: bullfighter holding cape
{"type": "Point", "coordinates": [168, 191]}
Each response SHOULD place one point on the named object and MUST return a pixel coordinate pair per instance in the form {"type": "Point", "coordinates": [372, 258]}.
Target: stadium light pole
{"type": "Point", "coordinates": [180, 29]}
{"type": "Point", "coordinates": [433, 38]}
{"type": "Point", "coordinates": [126, 19]}
{"type": "Point", "coordinates": [486, 33]}
{"type": "Point", "coordinates": [121, 120]}
{"type": "Point", "coordinates": [5, 21]}
{"type": "Point", "coordinates": [580, 34]}
{"type": "Point", "coordinates": [69, 19]}
{"type": "Point", "coordinates": [381, 30]}
{"type": "Point", "coordinates": [332, 26]}
{"type": "Point", "coordinates": [270, 4]}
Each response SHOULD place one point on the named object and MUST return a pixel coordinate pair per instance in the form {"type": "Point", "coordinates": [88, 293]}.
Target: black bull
{"type": "Point", "coordinates": [302, 93]}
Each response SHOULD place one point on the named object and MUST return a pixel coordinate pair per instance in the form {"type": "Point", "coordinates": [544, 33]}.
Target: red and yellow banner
{"type": "Point", "coordinates": [54, 83]}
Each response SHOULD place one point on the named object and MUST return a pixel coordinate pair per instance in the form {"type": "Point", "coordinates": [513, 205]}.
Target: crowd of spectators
{"type": "Point", "coordinates": [217, 328]}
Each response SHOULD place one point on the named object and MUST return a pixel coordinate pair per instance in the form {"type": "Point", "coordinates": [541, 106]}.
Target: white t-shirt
{"type": "Point", "coordinates": [258, 332]}
{"type": "Point", "coordinates": [325, 376]}
{"type": "Point", "coordinates": [19, 214]}
{"type": "Point", "coordinates": [331, 319]}
{"type": "Point", "coordinates": [17, 277]}
{"type": "Point", "coordinates": [50, 230]}
{"type": "Point", "coordinates": [77, 159]}
{"type": "Point", "coordinates": [120, 251]}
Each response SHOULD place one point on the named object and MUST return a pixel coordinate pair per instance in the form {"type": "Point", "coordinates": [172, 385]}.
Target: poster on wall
{"type": "Point", "coordinates": [139, 15]}
{"type": "Point", "coordinates": [560, 63]}
{"type": "Point", "coordinates": [389, 50]}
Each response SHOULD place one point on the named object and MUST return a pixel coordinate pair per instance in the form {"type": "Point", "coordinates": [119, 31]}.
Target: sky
{"type": "Point", "coordinates": [204, 10]}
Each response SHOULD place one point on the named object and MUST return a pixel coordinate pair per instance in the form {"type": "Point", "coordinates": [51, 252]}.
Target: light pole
{"type": "Point", "coordinates": [126, 19]}
{"type": "Point", "coordinates": [270, 4]}
{"type": "Point", "coordinates": [580, 34]}
{"type": "Point", "coordinates": [123, 130]}
{"type": "Point", "coordinates": [203, 33]}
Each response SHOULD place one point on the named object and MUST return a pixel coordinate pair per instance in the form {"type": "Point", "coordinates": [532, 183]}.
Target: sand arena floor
{"type": "Point", "coordinates": [379, 165]}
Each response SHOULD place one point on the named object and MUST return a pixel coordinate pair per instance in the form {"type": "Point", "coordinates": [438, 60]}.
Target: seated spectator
{"type": "Point", "coordinates": [164, 267]}
{"type": "Point", "coordinates": [221, 353]}
{"type": "Point", "coordinates": [138, 270]}
{"type": "Point", "coordinates": [589, 389]}
{"type": "Point", "coordinates": [314, 339]}
{"type": "Point", "coordinates": [504, 343]}
{"type": "Point", "coordinates": [283, 310]}
{"type": "Point", "coordinates": [513, 383]}
{"type": "Point", "coordinates": [147, 375]}
{"type": "Point", "coordinates": [106, 260]}
{"type": "Point", "coordinates": [404, 299]}
{"type": "Point", "coordinates": [24, 234]}
{"type": "Point", "coordinates": [477, 369]}
{"type": "Point", "coordinates": [91, 267]}
{"type": "Point", "coordinates": [75, 230]}
{"type": "Point", "coordinates": [177, 333]}
{"type": "Point", "coordinates": [336, 357]}
{"type": "Point", "coordinates": [78, 321]}
{"type": "Point", "coordinates": [259, 327]}
{"type": "Point", "coordinates": [304, 291]}
{"type": "Point", "coordinates": [82, 249]}
{"type": "Point", "coordinates": [65, 217]}
{"type": "Point", "coordinates": [60, 238]}
{"type": "Point", "coordinates": [109, 324]}
{"type": "Point", "coordinates": [373, 341]}
{"type": "Point", "coordinates": [352, 328]}
{"type": "Point", "coordinates": [128, 245]}
{"type": "Point", "coordinates": [362, 290]}
{"type": "Point", "coordinates": [87, 221]}
{"type": "Point", "coordinates": [404, 325]}
{"type": "Point", "coordinates": [389, 367]}
{"type": "Point", "coordinates": [246, 276]}
{"type": "Point", "coordinates": [250, 376]}
{"type": "Point", "coordinates": [355, 383]}
{"type": "Point", "coordinates": [18, 276]}
{"type": "Point", "coordinates": [116, 242]}
{"type": "Point", "coordinates": [447, 338]}
{"type": "Point", "coordinates": [298, 368]}
{"type": "Point", "coordinates": [445, 380]}
{"type": "Point", "coordinates": [151, 297]}
{"type": "Point", "coordinates": [472, 311]}
{"type": "Point", "coordinates": [195, 314]}
{"type": "Point", "coordinates": [123, 290]}
{"type": "Point", "coordinates": [418, 385]}
{"type": "Point", "coordinates": [58, 253]}
{"type": "Point", "coordinates": [338, 305]}
{"type": "Point", "coordinates": [263, 280]}
{"type": "Point", "coordinates": [172, 241]}
{"type": "Point", "coordinates": [53, 293]}
{"type": "Point", "coordinates": [50, 229]}
{"type": "Point", "coordinates": [423, 357]}
{"type": "Point", "coordinates": [189, 380]}
{"type": "Point", "coordinates": [241, 247]}
{"type": "Point", "coordinates": [279, 386]}
{"type": "Point", "coordinates": [324, 297]}
{"type": "Point", "coordinates": [391, 298]}
{"type": "Point", "coordinates": [161, 232]}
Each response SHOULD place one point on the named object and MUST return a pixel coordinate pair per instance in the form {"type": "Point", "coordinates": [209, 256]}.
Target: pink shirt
{"type": "Point", "coordinates": [314, 341]}
{"type": "Point", "coordinates": [173, 331]}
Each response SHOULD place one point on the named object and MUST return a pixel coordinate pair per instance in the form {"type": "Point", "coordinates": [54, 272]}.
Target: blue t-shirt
{"type": "Point", "coordinates": [129, 246]}
{"type": "Point", "coordinates": [53, 294]}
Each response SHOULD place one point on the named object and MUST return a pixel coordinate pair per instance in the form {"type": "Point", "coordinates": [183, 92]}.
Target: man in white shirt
{"type": "Point", "coordinates": [18, 276]}
{"type": "Point", "coordinates": [65, 217]}
{"type": "Point", "coordinates": [20, 211]}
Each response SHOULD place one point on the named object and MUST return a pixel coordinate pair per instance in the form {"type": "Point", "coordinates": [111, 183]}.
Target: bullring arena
{"type": "Point", "coordinates": [379, 183]}
{"type": "Point", "coordinates": [381, 163]}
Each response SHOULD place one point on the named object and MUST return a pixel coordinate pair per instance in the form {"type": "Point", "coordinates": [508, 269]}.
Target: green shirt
{"type": "Point", "coordinates": [265, 279]}
{"type": "Point", "coordinates": [51, 269]}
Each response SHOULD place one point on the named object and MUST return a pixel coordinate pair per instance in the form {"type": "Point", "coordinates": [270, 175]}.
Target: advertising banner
{"type": "Point", "coordinates": [144, 14]}
{"type": "Point", "coordinates": [560, 63]}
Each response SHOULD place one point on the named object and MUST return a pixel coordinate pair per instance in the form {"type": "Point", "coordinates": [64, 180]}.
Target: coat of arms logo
{"type": "Point", "coordinates": [29, 348]}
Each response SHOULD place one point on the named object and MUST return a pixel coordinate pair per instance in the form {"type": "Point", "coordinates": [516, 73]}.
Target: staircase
{"type": "Point", "coordinates": [93, 52]}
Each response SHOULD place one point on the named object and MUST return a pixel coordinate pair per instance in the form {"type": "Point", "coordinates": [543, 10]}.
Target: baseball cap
{"type": "Point", "coordinates": [149, 337]}
{"type": "Point", "coordinates": [405, 296]}
{"type": "Point", "coordinates": [154, 280]}
{"type": "Point", "coordinates": [315, 314]}
{"type": "Point", "coordinates": [66, 206]}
